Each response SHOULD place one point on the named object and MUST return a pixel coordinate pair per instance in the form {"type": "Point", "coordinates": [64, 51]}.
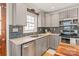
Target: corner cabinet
{"type": "Point", "coordinates": [54, 41]}
{"type": "Point", "coordinates": [19, 12]}
{"type": "Point", "coordinates": [41, 45]}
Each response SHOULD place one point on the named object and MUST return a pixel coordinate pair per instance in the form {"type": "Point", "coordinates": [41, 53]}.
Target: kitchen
{"type": "Point", "coordinates": [36, 29]}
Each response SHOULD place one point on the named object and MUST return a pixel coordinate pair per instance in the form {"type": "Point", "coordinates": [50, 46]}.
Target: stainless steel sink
{"type": "Point", "coordinates": [38, 35]}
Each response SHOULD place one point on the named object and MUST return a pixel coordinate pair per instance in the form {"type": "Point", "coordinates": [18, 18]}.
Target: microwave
{"type": "Point", "coordinates": [69, 26]}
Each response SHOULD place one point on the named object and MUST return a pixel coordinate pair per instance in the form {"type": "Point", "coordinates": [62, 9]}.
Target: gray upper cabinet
{"type": "Point", "coordinates": [69, 13]}
{"type": "Point", "coordinates": [10, 13]}
{"type": "Point", "coordinates": [55, 20]}
{"type": "Point", "coordinates": [52, 20]}
{"type": "Point", "coordinates": [48, 20]}
{"type": "Point", "coordinates": [63, 15]}
{"type": "Point", "coordinates": [73, 13]}
{"type": "Point", "coordinates": [19, 12]}
{"type": "Point", "coordinates": [41, 19]}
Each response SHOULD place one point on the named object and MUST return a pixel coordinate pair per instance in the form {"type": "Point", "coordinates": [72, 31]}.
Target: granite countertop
{"type": "Point", "coordinates": [21, 40]}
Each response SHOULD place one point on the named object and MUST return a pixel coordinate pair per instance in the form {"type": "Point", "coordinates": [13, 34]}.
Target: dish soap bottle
{"type": "Point", "coordinates": [46, 31]}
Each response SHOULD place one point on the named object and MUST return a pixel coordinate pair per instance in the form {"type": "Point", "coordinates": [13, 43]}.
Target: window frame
{"type": "Point", "coordinates": [35, 23]}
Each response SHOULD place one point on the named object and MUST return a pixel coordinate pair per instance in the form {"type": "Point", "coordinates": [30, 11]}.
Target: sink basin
{"type": "Point", "coordinates": [38, 35]}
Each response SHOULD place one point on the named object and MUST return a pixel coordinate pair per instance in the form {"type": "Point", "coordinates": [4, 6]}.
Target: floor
{"type": "Point", "coordinates": [50, 52]}
{"type": "Point", "coordinates": [64, 49]}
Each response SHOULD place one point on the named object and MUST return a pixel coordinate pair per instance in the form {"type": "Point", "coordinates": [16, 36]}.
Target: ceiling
{"type": "Point", "coordinates": [48, 7]}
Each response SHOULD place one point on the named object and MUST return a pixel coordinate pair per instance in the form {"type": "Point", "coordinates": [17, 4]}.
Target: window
{"type": "Point", "coordinates": [31, 24]}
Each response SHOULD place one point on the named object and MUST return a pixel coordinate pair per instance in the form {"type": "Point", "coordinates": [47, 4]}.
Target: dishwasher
{"type": "Point", "coordinates": [28, 49]}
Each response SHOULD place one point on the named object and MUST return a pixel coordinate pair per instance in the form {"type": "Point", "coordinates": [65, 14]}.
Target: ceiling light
{"type": "Point", "coordinates": [52, 7]}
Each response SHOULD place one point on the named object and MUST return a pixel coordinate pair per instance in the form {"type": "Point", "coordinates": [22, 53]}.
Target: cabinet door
{"type": "Point", "coordinates": [28, 49]}
{"type": "Point", "coordinates": [52, 42]}
{"type": "Point", "coordinates": [19, 14]}
{"type": "Point", "coordinates": [63, 15]}
{"type": "Point", "coordinates": [48, 20]}
{"type": "Point", "coordinates": [57, 41]}
{"type": "Point", "coordinates": [44, 44]}
{"type": "Point", "coordinates": [38, 47]}
{"type": "Point", "coordinates": [55, 20]}
{"type": "Point", "coordinates": [14, 50]}
{"type": "Point", "coordinates": [72, 13]}
{"type": "Point", "coordinates": [41, 19]}
{"type": "Point", "coordinates": [41, 45]}
{"type": "Point", "coordinates": [10, 13]}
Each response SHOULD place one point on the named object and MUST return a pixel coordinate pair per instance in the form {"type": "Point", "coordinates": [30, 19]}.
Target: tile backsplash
{"type": "Point", "coordinates": [49, 29]}
{"type": "Point", "coordinates": [17, 31]}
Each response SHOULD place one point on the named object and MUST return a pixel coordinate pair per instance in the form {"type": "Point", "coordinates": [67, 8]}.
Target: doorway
{"type": "Point", "coordinates": [3, 29]}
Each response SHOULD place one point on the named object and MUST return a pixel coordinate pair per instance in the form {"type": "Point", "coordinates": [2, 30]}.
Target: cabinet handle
{"type": "Point", "coordinates": [26, 45]}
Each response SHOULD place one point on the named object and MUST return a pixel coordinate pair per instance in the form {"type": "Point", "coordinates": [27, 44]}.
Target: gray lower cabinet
{"type": "Point", "coordinates": [36, 47]}
{"type": "Point", "coordinates": [41, 45]}
{"type": "Point", "coordinates": [54, 41]}
{"type": "Point", "coordinates": [28, 49]}
{"type": "Point", "coordinates": [15, 50]}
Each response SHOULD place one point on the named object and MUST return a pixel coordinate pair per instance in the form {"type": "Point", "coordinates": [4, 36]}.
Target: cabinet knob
{"type": "Point", "coordinates": [3, 39]}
